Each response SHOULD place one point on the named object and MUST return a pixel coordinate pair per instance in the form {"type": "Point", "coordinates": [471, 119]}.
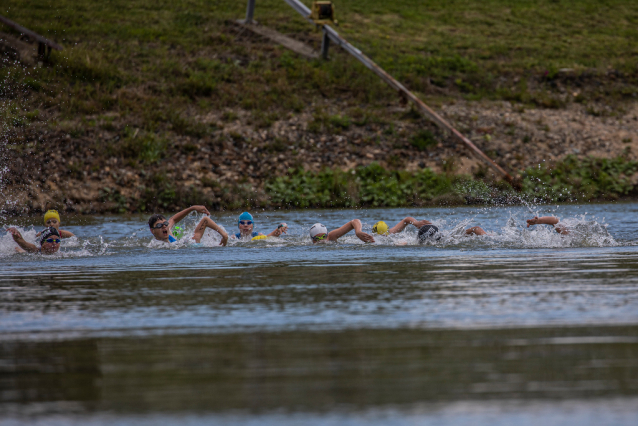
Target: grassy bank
{"type": "Point", "coordinates": [570, 180]}
{"type": "Point", "coordinates": [159, 63]}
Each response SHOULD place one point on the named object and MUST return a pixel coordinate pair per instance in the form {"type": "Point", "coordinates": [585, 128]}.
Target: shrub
{"type": "Point", "coordinates": [372, 186]}
{"type": "Point", "coordinates": [423, 139]}
{"type": "Point", "coordinates": [580, 179]}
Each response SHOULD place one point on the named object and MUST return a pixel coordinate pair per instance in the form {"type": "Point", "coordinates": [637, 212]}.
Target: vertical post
{"type": "Point", "coordinates": [42, 48]}
{"type": "Point", "coordinates": [325, 44]}
{"type": "Point", "coordinates": [250, 11]}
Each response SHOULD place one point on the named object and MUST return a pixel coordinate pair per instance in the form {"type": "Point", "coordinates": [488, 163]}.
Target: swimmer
{"type": "Point", "coordinates": [548, 220]}
{"type": "Point", "coordinates": [545, 220]}
{"type": "Point", "coordinates": [320, 234]}
{"type": "Point", "coordinates": [162, 228]}
{"type": "Point", "coordinates": [246, 224]}
{"type": "Point", "coordinates": [52, 219]}
{"type": "Point", "coordinates": [49, 241]}
{"type": "Point", "coordinates": [431, 233]}
{"type": "Point", "coordinates": [381, 227]}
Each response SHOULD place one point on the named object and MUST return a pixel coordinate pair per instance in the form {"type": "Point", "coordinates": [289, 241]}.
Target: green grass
{"type": "Point", "coordinates": [148, 59]}
{"type": "Point", "coordinates": [423, 140]}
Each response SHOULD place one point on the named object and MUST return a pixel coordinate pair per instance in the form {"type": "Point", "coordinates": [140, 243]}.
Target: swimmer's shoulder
{"type": "Point", "coordinates": [66, 234]}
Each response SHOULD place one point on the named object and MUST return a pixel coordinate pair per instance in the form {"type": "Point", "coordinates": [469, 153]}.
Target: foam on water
{"type": "Point", "coordinates": [583, 232]}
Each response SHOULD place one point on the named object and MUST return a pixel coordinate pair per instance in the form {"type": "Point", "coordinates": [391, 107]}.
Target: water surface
{"type": "Point", "coordinates": [523, 326]}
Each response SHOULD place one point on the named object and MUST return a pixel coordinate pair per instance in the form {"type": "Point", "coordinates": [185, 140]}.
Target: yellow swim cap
{"type": "Point", "coordinates": [51, 214]}
{"type": "Point", "coordinates": [380, 228]}
{"type": "Point", "coordinates": [258, 237]}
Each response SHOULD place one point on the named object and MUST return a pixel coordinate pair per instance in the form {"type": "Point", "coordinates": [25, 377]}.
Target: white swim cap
{"type": "Point", "coordinates": [317, 229]}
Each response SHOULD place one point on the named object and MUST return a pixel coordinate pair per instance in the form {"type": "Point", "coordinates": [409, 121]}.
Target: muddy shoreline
{"type": "Point", "coordinates": [107, 168]}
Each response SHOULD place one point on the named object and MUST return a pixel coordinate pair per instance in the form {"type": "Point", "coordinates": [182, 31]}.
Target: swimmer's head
{"type": "Point", "coordinates": [318, 232]}
{"type": "Point", "coordinates": [429, 233]}
{"type": "Point", "coordinates": [50, 240]}
{"type": "Point", "coordinates": [245, 222]}
{"type": "Point", "coordinates": [155, 218]}
{"type": "Point", "coordinates": [159, 227]}
{"type": "Point", "coordinates": [380, 228]}
{"type": "Point", "coordinates": [52, 218]}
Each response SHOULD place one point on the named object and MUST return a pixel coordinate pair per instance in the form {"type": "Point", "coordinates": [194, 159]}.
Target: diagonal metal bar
{"type": "Point", "coordinates": [304, 11]}
{"type": "Point", "coordinates": [30, 33]}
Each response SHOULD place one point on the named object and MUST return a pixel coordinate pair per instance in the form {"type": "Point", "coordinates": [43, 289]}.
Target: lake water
{"type": "Point", "coordinates": [524, 326]}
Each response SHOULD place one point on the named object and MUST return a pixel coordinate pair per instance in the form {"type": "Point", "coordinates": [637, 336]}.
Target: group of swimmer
{"type": "Point", "coordinates": [164, 230]}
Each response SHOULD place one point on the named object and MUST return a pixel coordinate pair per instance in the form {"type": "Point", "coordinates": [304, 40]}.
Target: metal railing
{"type": "Point", "coordinates": [43, 42]}
{"type": "Point", "coordinates": [330, 35]}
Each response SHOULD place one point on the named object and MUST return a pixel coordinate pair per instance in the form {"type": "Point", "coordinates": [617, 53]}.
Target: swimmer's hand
{"type": "Point", "coordinates": [224, 240]}
{"type": "Point", "coordinates": [281, 229]}
{"type": "Point", "coordinates": [201, 209]}
{"type": "Point", "coordinates": [14, 233]}
{"type": "Point", "coordinates": [366, 238]}
{"type": "Point", "coordinates": [533, 221]}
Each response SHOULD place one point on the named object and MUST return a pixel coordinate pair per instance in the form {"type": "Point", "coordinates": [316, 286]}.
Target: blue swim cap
{"type": "Point", "coordinates": [245, 216]}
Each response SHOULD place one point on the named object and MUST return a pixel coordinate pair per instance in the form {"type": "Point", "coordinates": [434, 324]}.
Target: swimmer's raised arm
{"type": "Point", "coordinates": [207, 222]}
{"type": "Point", "coordinates": [408, 221]}
{"type": "Point", "coordinates": [548, 220]}
{"type": "Point", "coordinates": [181, 215]}
{"type": "Point", "coordinates": [17, 237]}
{"type": "Point", "coordinates": [353, 224]}
{"type": "Point", "coordinates": [282, 228]}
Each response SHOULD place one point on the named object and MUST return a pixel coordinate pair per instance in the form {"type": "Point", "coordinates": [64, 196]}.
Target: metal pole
{"type": "Point", "coordinates": [301, 8]}
{"type": "Point", "coordinates": [325, 44]}
{"type": "Point", "coordinates": [250, 11]}
{"type": "Point", "coordinates": [328, 31]}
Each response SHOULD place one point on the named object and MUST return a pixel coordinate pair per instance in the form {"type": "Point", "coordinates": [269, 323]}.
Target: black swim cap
{"type": "Point", "coordinates": [155, 218]}
{"type": "Point", "coordinates": [427, 232]}
{"type": "Point", "coordinates": [47, 232]}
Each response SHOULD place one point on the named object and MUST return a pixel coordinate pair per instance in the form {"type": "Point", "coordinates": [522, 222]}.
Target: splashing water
{"type": "Point", "coordinates": [584, 231]}
{"type": "Point", "coordinates": [67, 247]}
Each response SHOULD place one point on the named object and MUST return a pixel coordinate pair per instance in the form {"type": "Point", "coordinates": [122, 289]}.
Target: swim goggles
{"type": "Point", "coordinates": [245, 222]}
{"type": "Point", "coordinates": [160, 225]}
{"type": "Point", "coordinates": [319, 237]}
{"type": "Point", "coordinates": [53, 240]}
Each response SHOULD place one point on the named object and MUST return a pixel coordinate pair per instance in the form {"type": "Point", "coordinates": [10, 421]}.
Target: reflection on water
{"type": "Point", "coordinates": [314, 370]}
{"type": "Point", "coordinates": [518, 327]}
